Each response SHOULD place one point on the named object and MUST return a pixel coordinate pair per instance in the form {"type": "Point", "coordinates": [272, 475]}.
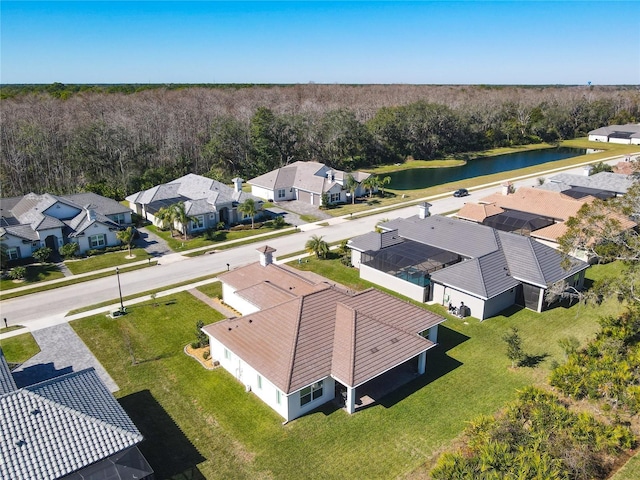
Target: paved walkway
{"type": "Point", "coordinates": [61, 351]}
{"type": "Point", "coordinates": [213, 303]}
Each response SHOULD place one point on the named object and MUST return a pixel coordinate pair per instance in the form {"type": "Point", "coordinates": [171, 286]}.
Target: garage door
{"type": "Point", "coordinates": [304, 196]}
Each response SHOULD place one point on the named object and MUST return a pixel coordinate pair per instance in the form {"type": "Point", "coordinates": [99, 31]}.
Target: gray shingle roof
{"type": "Point", "coordinates": [373, 241]}
{"type": "Point", "coordinates": [607, 181]}
{"type": "Point", "coordinates": [104, 205]}
{"type": "Point", "coordinates": [497, 260]}
{"type": "Point", "coordinates": [204, 194]}
{"type": "Point", "coordinates": [632, 129]}
{"type": "Point", "coordinates": [7, 383]}
{"type": "Point", "coordinates": [51, 429]}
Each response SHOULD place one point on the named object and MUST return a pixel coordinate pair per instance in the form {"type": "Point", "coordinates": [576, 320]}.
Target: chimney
{"type": "Point", "coordinates": [507, 188]}
{"type": "Point", "coordinates": [237, 184]}
{"type": "Point", "coordinates": [330, 176]}
{"type": "Point", "coordinates": [587, 170]}
{"type": "Point", "coordinates": [423, 210]}
{"type": "Point", "coordinates": [266, 255]}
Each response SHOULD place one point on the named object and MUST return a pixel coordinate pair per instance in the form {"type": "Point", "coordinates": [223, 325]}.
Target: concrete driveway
{"type": "Point", "coordinates": [61, 352]}
{"type": "Point", "coordinates": [153, 244]}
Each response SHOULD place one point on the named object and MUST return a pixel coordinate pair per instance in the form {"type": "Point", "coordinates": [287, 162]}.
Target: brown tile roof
{"type": "Point", "coordinates": [625, 168]}
{"type": "Point", "coordinates": [551, 233]}
{"type": "Point", "coordinates": [301, 341]}
{"type": "Point", "coordinates": [254, 274]}
{"type": "Point", "coordinates": [538, 201]}
{"type": "Point", "coordinates": [477, 212]}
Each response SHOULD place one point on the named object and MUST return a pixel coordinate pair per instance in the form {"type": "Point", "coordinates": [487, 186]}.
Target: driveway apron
{"type": "Point", "coordinates": [61, 352]}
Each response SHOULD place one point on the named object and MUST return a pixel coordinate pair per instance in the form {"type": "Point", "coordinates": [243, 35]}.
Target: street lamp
{"type": "Point", "coordinates": [119, 290]}
{"type": "Point", "coordinates": [228, 266]}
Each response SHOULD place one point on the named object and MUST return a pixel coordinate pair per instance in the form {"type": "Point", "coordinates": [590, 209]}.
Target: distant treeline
{"type": "Point", "coordinates": [118, 139]}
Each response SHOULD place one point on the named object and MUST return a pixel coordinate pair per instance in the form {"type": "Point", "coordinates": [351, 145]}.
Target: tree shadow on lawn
{"type": "Point", "coordinates": [166, 448]}
{"type": "Point", "coordinates": [532, 360]}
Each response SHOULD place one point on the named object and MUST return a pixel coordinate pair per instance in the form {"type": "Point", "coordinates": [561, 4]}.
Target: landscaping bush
{"type": "Point", "coordinates": [202, 339]}
{"type": "Point", "coordinates": [69, 250]}
{"type": "Point", "coordinates": [42, 254]}
{"type": "Point", "coordinates": [17, 273]}
{"type": "Point", "coordinates": [206, 354]}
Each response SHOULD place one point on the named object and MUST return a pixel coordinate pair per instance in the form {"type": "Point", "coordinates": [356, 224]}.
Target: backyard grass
{"type": "Point", "coordinates": [105, 260]}
{"type": "Point", "coordinates": [35, 273]}
{"type": "Point", "coordinates": [204, 420]}
{"type": "Point", "coordinates": [20, 348]}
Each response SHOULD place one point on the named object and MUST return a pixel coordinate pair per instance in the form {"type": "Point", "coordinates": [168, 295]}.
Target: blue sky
{"type": "Point", "coordinates": [424, 42]}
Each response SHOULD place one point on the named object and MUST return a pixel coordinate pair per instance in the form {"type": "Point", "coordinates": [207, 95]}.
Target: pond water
{"type": "Point", "coordinates": [417, 178]}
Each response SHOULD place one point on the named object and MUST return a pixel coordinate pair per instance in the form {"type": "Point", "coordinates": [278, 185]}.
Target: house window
{"type": "Point", "coordinates": [13, 253]}
{"type": "Point", "coordinates": [335, 197]}
{"type": "Point", "coordinates": [278, 397]}
{"type": "Point", "coordinates": [260, 382]}
{"type": "Point", "coordinates": [227, 354]}
{"type": "Point", "coordinates": [197, 223]}
{"type": "Point", "coordinates": [118, 218]}
{"type": "Point", "coordinates": [310, 393]}
{"type": "Point", "coordinates": [97, 241]}
{"type": "Point", "coordinates": [281, 193]}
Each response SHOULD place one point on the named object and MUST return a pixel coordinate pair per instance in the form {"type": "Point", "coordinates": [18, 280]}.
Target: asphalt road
{"type": "Point", "coordinates": [39, 309]}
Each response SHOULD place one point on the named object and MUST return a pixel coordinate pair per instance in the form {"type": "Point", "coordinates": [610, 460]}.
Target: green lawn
{"type": "Point", "coordinates": [206, 419]}
{"type": "Point", "coordinates": [177, 243]}
{"type": "Point", "coordinates": [20, 348]}
{"type": "Point", "coordinates": [213, 290]}
{"type": "Point", "coordinates": [631, 471]}
{"type": "Point", "coordinates": [105, 260]}
{"type": "Point", "coordinates": [35, 274]}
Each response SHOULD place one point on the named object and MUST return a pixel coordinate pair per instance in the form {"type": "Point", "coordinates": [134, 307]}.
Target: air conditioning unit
{"type": "Point", "coordinates": [247, 388]}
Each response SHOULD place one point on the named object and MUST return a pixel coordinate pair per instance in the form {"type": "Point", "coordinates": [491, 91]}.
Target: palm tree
{"type": "Point", "coordinates": [386, 180]}
{"type": "Point", "coordinates": [351, 184]}
{"type": "Point", "coordinates": [180, 215]}
{"type": "Point", "coordinates": [248, 208]}
{"type": "Point", "coordinates": [317, 246]}
{"type": "Point", "coordinates": [371, 183]}
{"type": "Point", "coordinates": [166, 218]}
{"type": "Point", "coordinates": [126, 237]}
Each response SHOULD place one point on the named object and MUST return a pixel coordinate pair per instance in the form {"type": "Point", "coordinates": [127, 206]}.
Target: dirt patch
{"type": "Point", "coordinates": [199, 354]}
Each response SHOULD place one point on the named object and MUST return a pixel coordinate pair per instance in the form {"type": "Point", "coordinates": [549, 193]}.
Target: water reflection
{"type": "Point", "coordinates": [417, 178]}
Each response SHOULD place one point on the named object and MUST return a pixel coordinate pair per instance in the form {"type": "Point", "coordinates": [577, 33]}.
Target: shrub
{"type": "Point", "coordinates": [17, 273]}
{"type": "Point", "coordinates": [69, 250]}
{"type": "Point", "coordinates": [206, 354]}
{"type": "Point", "coordinates": [202, 339]}
{"type": "Point", "coordinates": [42, 254]}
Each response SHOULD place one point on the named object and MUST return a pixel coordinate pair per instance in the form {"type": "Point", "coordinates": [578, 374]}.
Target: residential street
{"type": "Point", "coordinates": [39, 310]}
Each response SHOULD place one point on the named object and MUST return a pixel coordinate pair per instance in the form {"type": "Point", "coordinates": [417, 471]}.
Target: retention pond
{"type": "Point", "coordinates": [417, 178]}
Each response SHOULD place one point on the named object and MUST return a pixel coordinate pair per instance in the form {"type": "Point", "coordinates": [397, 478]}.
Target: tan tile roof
{"type": "Point", "coordinates": [254, 274]}
{"type": "Point", "coordinates": [477, 212]}
{"type": "Point", "coordinates": [538, 201]}
{"type": "Point", "coordinates": [301, 341]}
{"type": "Point", "coordinates": [551, 233]}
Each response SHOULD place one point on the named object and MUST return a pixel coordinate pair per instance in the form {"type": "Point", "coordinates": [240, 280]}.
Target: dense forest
{"type": "Point", "coordinates": [115, 140]}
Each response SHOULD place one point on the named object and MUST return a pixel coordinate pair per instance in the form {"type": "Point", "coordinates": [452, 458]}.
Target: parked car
{"type": "Point", "coordinates": [461, 192]}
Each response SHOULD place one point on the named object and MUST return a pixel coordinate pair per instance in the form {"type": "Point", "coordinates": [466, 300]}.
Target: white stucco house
{"type": "Point", "coordinates": [301, 342]}
{"type": "Point", "coordinates": [450, 261]}
{"type": "Point", "coordinates": [34, 221]}
{"type": "Point", "coordinates": [208, 201]}
{"type": "Point", "coordinates": [306, 181]}
{"type": "Point", "coordinates": [628, 134]}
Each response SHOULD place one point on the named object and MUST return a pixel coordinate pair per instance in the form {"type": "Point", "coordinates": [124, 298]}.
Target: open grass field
{"type": "Point", "coordinates": [35, 273]}
{"type": "Point", "coordinates": [105, 260]}
{"type": "Point", "coordinates": [199, 421]}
